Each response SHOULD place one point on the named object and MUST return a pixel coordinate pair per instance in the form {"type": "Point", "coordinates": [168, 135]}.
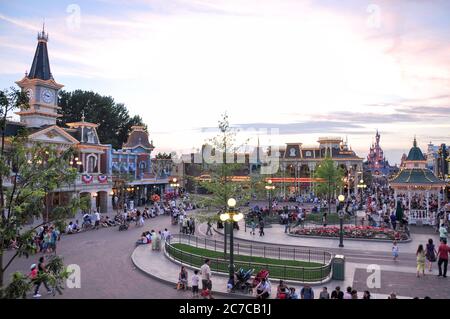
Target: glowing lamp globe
{"type": "Point", "coordinates": [231, 202]}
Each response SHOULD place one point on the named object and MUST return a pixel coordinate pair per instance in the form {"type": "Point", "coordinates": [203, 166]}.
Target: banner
{"type": "Point", "coordinates": [87, 179]}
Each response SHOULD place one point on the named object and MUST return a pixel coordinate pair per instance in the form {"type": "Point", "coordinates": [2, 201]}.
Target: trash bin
{"type": "Point", "coordinates": [339, 267]}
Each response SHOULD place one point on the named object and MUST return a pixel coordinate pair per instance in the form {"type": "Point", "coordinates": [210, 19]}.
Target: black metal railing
{"type": "Point", "coordinates": [282, 262]}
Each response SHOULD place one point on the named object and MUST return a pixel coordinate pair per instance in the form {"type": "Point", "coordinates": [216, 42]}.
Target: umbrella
{"type": "Point", "coordinates": [399, 212]}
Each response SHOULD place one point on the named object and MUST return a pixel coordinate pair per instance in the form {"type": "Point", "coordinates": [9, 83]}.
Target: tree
{"type": "Point", "coordinates": [113, 118]}
{"type": "Point", "coordinates": [221, 170]}
{"type": "Point", "coordinates": [33, 171]}
{"type": "Point", "coordinates": [332, 179]}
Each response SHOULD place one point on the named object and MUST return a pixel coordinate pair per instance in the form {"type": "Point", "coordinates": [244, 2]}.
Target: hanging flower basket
{"type": "Point", "coordinates": [102, 178]}
{"type": "Point", "coordinates": [87, 179]}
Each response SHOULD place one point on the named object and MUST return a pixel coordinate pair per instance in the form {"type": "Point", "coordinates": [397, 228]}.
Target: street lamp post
{"type": "Point", "coordinates": [269, 187]}
{"type": "Point", "coordinates": [362, 186]}
{"type": "Point", "coordinates": [231, 216]}
{"type": "Point", "coordinates": [75, 162]}
{"type": "Point", "coordinates": [175, 186]}
{"type": "Point", "coordinates": [341, 199]}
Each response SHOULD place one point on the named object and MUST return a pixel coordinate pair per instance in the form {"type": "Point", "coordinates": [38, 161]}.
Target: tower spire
{"type": "Point", "coordinates": [40, 68]}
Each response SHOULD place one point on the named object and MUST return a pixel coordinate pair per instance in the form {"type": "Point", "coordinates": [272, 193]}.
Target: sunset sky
{"type": "Point", "coordinates": [304, 68]}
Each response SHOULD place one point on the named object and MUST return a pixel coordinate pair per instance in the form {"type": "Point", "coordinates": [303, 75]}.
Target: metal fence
{"type": "Point", "coordinates": [282, 262]}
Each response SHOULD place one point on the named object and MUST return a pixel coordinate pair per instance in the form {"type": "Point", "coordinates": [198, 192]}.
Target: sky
{"type": "Point", "coordinates": [283, 70]}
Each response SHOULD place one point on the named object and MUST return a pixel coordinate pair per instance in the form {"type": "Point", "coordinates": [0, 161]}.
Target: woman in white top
{"type": "Point", "coordinates": [263, 289]}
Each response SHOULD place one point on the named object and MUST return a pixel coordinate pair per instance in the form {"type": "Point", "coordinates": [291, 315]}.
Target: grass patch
{"type": "Point", "coordinates": [278, 268]}
{"type": "Point", "coordinates": [332, 218]}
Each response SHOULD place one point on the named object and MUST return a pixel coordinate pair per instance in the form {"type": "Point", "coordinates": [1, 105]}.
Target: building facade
{"type": "Point", "coordinates": [146, 175]}
{"type": "Point", "coordinates": [39, 121]}
{"type": "Point", "coordinates": [300, 162]}
{"type": "Point", "coordinates": [98, 165]}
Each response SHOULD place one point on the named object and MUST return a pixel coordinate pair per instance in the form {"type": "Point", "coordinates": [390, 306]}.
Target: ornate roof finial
{"type": "Point", "coordinates": [415, 142]}
{"type": "Point", "coordinates": [42, 36]}
{"type": "Point", "coordinates": [82, 116]}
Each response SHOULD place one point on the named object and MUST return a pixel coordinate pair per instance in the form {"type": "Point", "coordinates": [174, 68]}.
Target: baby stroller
{"type": "Point", "coordinates": [241, 281]}
{"type": "Point", "coordinates": [263, 273]}
{"type": "Point", "coordinates": [124, 226]}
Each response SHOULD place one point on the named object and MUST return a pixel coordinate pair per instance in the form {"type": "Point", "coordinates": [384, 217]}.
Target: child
{"type": "Point", "coordinates": [420, 260]}
{"type": "Point", "coordinates": [195, 280]}
{"type": "Point", "coordinates": [395, 250]}
{"type": "Point", "coordinates": [253, 225]}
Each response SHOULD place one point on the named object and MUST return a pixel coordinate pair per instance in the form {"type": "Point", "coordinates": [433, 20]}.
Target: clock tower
{"type": "Point", "coordinates": [41, 88]}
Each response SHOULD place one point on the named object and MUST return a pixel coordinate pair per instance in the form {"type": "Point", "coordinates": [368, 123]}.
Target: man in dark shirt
{"type": "Point", "coordinates": [337, 293]}
{"type": "Point", "coordinates": [41, 270]}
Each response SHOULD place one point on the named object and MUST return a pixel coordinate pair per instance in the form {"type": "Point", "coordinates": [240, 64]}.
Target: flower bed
{"type": "Point", "coordinates": [357, 232]}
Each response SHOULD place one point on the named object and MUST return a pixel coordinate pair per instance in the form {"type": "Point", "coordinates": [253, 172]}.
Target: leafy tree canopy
{"type": "Point", "coordinates": [113, 118]}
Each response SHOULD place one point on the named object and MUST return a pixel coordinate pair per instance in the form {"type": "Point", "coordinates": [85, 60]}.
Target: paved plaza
{"type": "Point", "coordinates": [112, 267]}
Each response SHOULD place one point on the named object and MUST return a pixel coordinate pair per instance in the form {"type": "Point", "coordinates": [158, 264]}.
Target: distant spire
{"type": "Point", "coordinates": [415, 142]}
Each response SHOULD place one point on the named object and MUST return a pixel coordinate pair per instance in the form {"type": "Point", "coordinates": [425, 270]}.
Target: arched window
{"type": "Point", "coordinates": [91, 163]}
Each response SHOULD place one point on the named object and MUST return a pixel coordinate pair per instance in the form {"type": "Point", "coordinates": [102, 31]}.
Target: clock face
{"type": "Point", "coordinates": [47, 96]}
{"type": "Point", "coordinates": [29, 93]}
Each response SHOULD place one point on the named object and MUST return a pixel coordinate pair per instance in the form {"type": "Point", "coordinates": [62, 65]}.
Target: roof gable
{"type": "Point", "coordinates": [53, 134]}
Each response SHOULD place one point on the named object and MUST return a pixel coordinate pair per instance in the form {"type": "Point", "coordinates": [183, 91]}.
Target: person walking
{"type": "Point", "coordinates": [97, 219]}
{"type": "Point", "coordinates": [205, 271]}
{"type": "Point", "coordinates": [41, 270]}
{"type": "Point", "coordinates": [420, 255]}
{"type": "Point", "coordinates": [253, 227]}
{"type": "Point", "coordinates": [443, 252]}
{"type": "Point", "coordinates": [261, 228]}
{"type": "Point", "coordinates": [393, 220]}
{"type": "Point", "coordinates": [195, 280]}
{"type": "Point", "coordinates": [208, 230]}
{"type": "Point", "coordinates": [430, 254]}
{"type": "Point", "coordinates": [443, 232]}
{"type": "Point", "coordinates": [192, 226]}
{"type": "Point", "coordinates": [395, 250]}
